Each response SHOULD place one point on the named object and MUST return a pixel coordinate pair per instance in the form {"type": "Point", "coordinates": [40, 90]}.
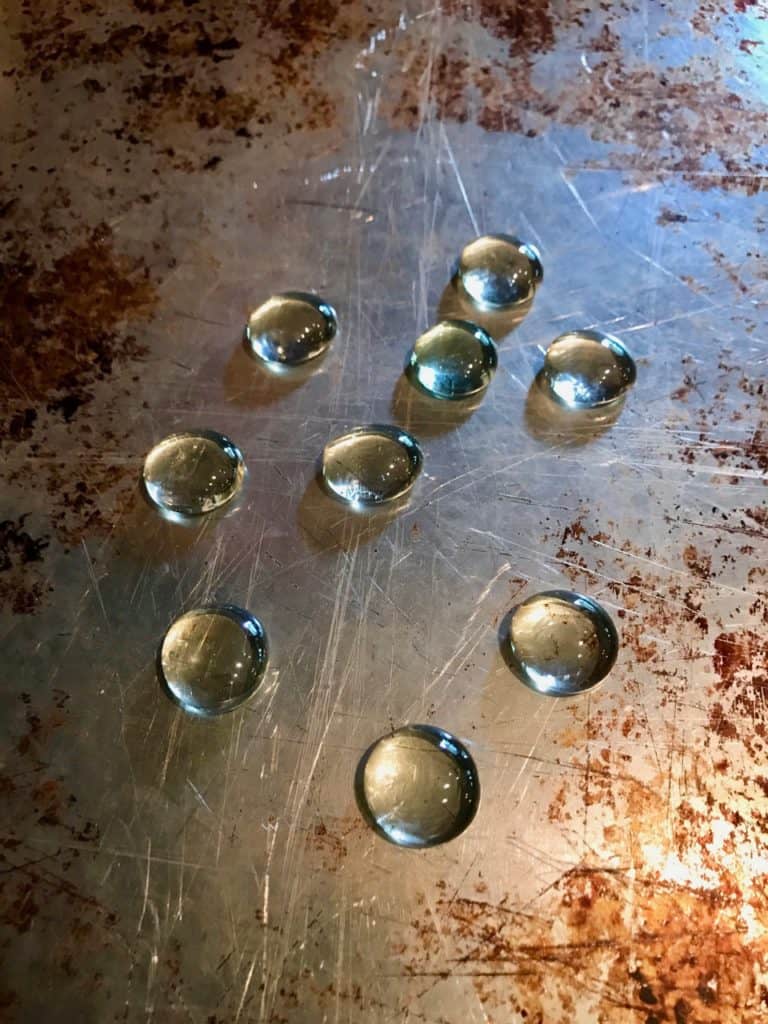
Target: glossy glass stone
{"type": "Point", "coordinates": [587, 369]}
{"type": "Point", "coordinates": [213, 659]}
{"type": "Point", "coordinates": [453, 360]}
{"type": "Point", "coordinates": [500, 271]}
{"type": "Point", "coordinates": [418, 786]}
{"type": "Point", "coordinates": [291, 328]}
{"type": "Point", "coordinates": [561, 643]}
{"type": "Point", "coordinates": [193, 472]}
{"type": "Point", "coordinates": [371, 465]}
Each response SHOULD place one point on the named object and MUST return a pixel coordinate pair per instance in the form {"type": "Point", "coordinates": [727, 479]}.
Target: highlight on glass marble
{"type": "Point", "coordinates": [371, 466]}
{"type": "Point", "coordinates": [212, 659]}
{"type": "Point", "coordinates": [588, 369]}
{"type": "Point", "coordinates": [560, 643]}
{"type": "Point", "coordinates": [290, 329]}
{"type": "Point", "coordinates": [194, 472]}
{"type": "Point", "coordinates": [417, 787]}
{"type": "Point", "coordinates": [499, 271]}
{"type": "Point", "coordinates": [453, 360]}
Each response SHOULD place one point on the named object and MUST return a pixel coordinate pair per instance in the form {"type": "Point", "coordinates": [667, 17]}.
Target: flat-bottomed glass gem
{"type": "Point", "coordinates": [291, 328]}
{"type": "Point", "coordinates": [193, 473]}
{"type": "Point", "coordinates": [499, 270]}
{"type": "Point", "coordinates": [586, 369]}
{"type": "Point", "coordinates": [418, 786]}
{"type": "Point", "coordinates": [453, 360]}
{"type": "Point", "coordinates": [371, 465]}
{"type": "Point", "coordinates": [560, 643]}
{"type": "Point", "coordinates": [212, 659]}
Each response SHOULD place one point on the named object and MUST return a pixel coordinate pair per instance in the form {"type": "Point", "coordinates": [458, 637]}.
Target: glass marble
{"type": "Point", "coordinates": [371, 465]}
{"type": "Point", "coordinates": [499, 271]}
{"type": "Point", "coordinates": [290, 329]}
{"type": "Point", "coordinates": [560, 643]}
{"type": "Point", "coordinates": [193, 473]}
{"type": "Point", "coordinates": [587, 369]}
{"type": "Point", "coordinates": [454, 359]}
{"type": "Point", "coordinates": [418, 787]}
{"type": "Point", "coordinates": [213, 659]}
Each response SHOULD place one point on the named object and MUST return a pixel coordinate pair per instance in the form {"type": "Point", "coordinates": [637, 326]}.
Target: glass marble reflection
{"type": "Point", "coordinates": [193, 473]}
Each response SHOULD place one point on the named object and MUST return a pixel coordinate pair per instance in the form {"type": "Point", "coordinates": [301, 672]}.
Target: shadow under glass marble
{"type": "Point", "coordinates": [425, 416]}
{"type": "Point", "coordinates": [548, 420]}
{"type": "Point", "coordinates": [455, 304]}
{"type": "Point", "coordinates": [328, 524]}
{"type": "Point", "coordinates": [250, 382]}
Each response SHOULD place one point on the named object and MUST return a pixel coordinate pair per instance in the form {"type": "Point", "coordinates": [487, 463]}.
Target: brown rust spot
{"type": "Point", "coordinates": [667, 216]}
{"type": "Point", "coordinates": [61, 325]}
{"type": "Point", "coordinates": [34, 891]}
{"type": "Point", "coordinates": [526, 27]}
{"type": "Point", "coordinates": [700, 565]}
{"type": "Point", "coordinates": [166, 65]}
{"type": "Point", "coordinates": [22, 586]}
{"type": "Point", "coordinates": [738, 652]}
{"type": "Point", "coordinates": [603, 921]}
{"type": "Point", "coordinates": [650, 110]}
{"type": "Point", "coordinates": [330, 840]}
{"type": "Point", "coordinates": [64, 332]}
{"type": "Point", "coordinates": [574, 530]}
{"type": "Point", "coordinates": [720, 724]}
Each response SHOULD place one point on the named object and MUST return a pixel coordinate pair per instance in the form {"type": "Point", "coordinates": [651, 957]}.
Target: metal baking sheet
{"type": "Point", "coordinates": [166, 167]}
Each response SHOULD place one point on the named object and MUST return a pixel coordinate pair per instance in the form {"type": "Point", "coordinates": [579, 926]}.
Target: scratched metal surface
{"type": "Point", "coordinates": [166, 166]}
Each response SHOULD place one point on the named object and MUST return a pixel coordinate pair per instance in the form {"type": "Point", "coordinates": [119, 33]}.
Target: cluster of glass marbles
{"type": "Point", "coordinates": [417, 786]}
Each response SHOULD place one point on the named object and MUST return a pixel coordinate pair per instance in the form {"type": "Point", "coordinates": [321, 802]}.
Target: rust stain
{"type": "Point", "coordinates": [640, 963]}
{"type": "Point", "coordinates": [731, 270]}
{"type": "Point", "coordinates": [22, 586]}
{"type": "Point", "coordinates": [167, 65]}
{"type": "Point", "coordinates": [671, 922]}
{"type": "Point", "coordinates": [34, 890]}
{"type": "Point", "coordinates": [60, 328]}
{"type": "Point", "coordinates": [329, 841]}
{"type": "Point", "coordinates": [171, 64]}
{"type": "Point", "coordinates": [667, 216]}
{"type": "Point", "coordinates": [661, 111]}
{"type": "Point", "coordinates": [738, 652]}
{"type": "Point", "coordinates": [525, 27]}
{"type": "Point", "coordinates": [715, 406]}
{"type": "Point", "coordinates": [64, 332]}
{"type": "Point", "coordinates": [700, 565]}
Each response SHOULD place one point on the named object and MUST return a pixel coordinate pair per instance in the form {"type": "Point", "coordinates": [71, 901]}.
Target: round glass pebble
{"type": "Point", "coordinates": [371, 465]}
{"type": "Point", "coordinates": [561, 643]}
{"type": "Point", "coordinates": [193, 473]}
{"type": "Point", "coordinates": [212, 659]}
{"type": "Point", "coordinates": [291, 328]}
{"type": "Point", "coordinates": [418, 787]}
{"type": "Point", "coordinates": [500, 271]}
{"type": "Point", "coordinates": [587, 369]}
{"type": "Point", "coordinates": [454, 359]}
